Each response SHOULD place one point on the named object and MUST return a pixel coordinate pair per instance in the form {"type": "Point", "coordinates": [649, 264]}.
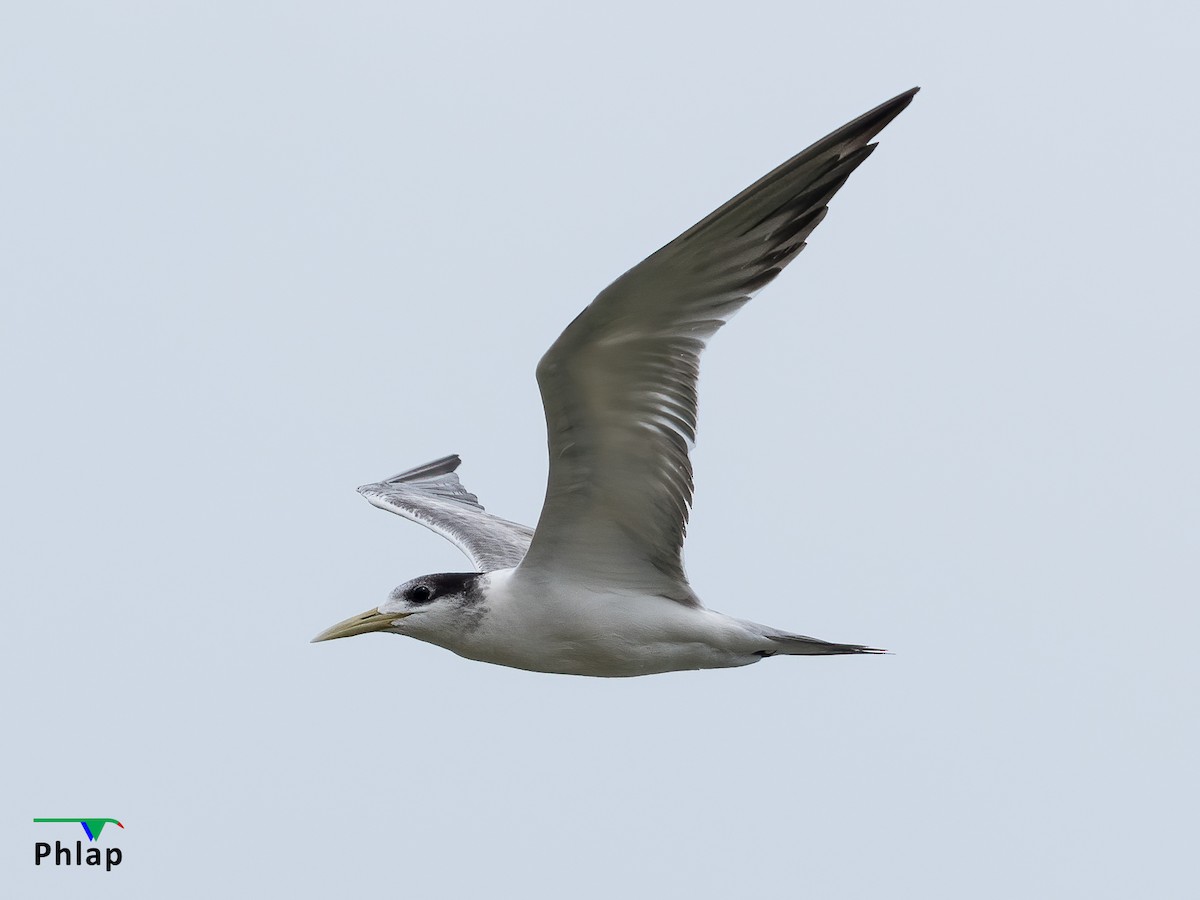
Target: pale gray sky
{"type": "Point", "coordinates": [256, 254]}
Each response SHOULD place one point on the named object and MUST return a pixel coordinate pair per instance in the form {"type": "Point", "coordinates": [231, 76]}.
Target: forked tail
{"type": "Point", "coordinates": [802, 645]}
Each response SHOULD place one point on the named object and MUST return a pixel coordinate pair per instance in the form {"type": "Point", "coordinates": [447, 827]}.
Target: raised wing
{"type": "Point", "coordinates": [433, 496]}
{"type": "Point", "coordinates": [619, 384]}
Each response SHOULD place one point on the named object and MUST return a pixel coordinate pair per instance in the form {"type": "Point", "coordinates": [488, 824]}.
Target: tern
{"type": "Point", "coordinates": [599, 588]}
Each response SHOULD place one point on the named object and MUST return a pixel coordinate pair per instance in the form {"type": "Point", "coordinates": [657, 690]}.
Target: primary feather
{"type": "Point", "coordinates": [433, 496]}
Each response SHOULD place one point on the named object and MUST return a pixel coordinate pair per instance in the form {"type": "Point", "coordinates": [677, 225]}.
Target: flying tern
{"type": "Point", "coordinates": [599, 588]}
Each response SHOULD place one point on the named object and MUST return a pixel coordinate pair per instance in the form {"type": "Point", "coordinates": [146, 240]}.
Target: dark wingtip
{"type": "Point", "coordinates": [857, 133]}
{"type": "Point", "coordinates": [874, 121]}
{"type": "Point", "coordinates": [443, 466]}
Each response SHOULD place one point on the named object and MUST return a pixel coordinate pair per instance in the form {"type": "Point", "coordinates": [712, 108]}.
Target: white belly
{"type": "Point", "coordinates": [586, 632]}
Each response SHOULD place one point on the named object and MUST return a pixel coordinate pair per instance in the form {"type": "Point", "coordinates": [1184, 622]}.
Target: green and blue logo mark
{"type": "Point", "coordinates": [62, 853]}
{"type": "Point", "coordinates": [91, 827]}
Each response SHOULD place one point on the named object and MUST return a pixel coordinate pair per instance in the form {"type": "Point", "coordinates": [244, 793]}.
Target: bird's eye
{"type": "Point", "coordinates": [419, 594]}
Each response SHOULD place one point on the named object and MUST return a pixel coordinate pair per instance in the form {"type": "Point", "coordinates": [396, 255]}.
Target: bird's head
{"type": "Point", "coordinates": [432, 608]}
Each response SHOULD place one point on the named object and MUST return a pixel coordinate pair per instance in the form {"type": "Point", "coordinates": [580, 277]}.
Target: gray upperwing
{"type": "Point", "coordinates": [619, 385]}
{"type": "Point", "coordinates": [433, 496]}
